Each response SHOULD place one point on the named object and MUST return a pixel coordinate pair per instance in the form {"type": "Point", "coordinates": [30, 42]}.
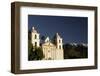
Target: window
{"type": "Point", "coordinates": [59, 46]}
{"type": "Point", "coordinates": [35, 44]}
{"type": "Point", "coordinates": [35, 36]}
{"type": "Point", "coordinates": [59, 41]}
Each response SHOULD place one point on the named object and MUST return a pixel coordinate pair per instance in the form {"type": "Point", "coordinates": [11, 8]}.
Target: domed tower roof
{"type": "Point", "coordinates": [57, 35]}
{"type": "Point", "coordinates": [33, 30]}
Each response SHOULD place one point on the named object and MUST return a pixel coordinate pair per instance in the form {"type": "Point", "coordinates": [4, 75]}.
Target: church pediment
{"type": "Point", "coordinates": [48, 44]}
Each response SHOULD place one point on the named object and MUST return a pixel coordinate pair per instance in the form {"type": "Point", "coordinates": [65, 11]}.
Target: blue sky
{"type": "Point", "coordinates": [71, 29]}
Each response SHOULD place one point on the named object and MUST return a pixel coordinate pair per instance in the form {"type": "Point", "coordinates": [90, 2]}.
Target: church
{"type": "Point", "coordinates": [52, 49]}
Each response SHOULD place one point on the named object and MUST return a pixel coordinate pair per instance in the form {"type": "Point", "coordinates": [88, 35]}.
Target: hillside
{"type": "Point", "coordinates": [73, 51]}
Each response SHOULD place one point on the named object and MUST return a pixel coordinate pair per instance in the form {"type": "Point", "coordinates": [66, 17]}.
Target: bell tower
{"type": "Point", "coordinates": [59, 43]}
{"type": "Point", "coordinates": [35, 38]}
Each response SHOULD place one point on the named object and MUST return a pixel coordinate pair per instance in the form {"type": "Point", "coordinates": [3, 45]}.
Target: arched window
{"type": "Point", "coordinates": [59, 41]}
{"type": "Point", "coordinates": [59, 46]}
{"type": "Point", "coordinates": [35, 44]}
{"type": "Point", "coordinates": [35, 36]}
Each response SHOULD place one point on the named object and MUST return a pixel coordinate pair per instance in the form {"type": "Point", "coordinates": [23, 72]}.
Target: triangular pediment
{"type": "Point", "coordinates": [48, 44]}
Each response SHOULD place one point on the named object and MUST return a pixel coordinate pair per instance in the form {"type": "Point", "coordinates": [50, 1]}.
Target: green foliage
{"type": "Point", "coordinates": [73, 52]}
{"type": "Point", "coordinates": [39, 53]}
{"type": "Point", "coordinates": [34, 53]}
{"type": "Point", "coordinates": [29, 35]}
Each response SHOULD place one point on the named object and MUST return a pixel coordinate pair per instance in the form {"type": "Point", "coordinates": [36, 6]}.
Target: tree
{"type": "Point", "coordinates": [72, 51]}
{"type": "Point", "coordinates": [34, 53]}
{"type": "Point", "coordinates": [83, 51]}
{"type": "Point", "coordinates": [30, 50]}
{"type": "Point", "coordinates": [29, 35]}
{"type": "Point", "coordinates": [39, 53]}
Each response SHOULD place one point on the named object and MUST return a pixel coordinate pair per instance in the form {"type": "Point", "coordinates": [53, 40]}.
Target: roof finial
{"type": "Point", "coordinates": [57, 35]}
{"type": "Point", "coordinates": [33, 28]}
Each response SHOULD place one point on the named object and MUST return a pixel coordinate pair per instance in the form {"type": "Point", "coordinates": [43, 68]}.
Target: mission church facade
{"type": "Point", "coordinates": [52, 49]}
